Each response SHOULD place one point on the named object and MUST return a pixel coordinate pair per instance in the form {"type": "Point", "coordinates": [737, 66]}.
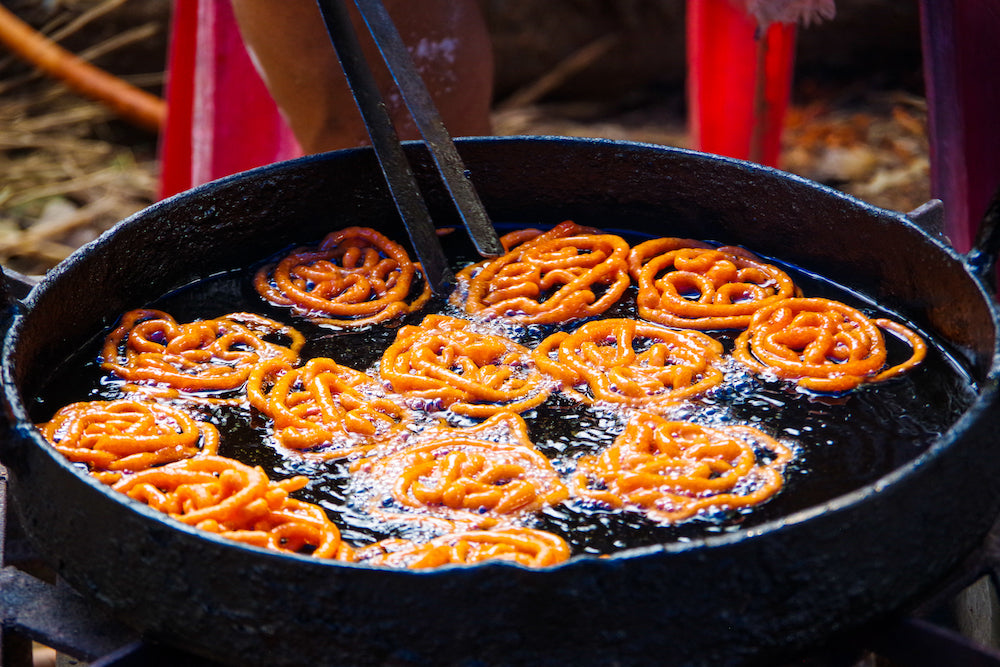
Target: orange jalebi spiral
{"type": "Point", "coordinates": [155, 354]}
{"type": "Point", "coordinates": [823, 345]}
{"type": "Point", "coordinates": [240, 503]}
{"type": "Point", "coordinates": [466, 474]}
{"type": "Point", "coordinates": [354, 277]}
{"type": "Point", "coordinates": [524, 546]}
{"type": "Point", "coordinates": [331, 410]}
{"type": "Point", "coordinates": [447, 362]}
{"type": "Point", "coordinates": [688, 284]}
{"type": "Point", "coordinates": [673, 470]}
{"type": "Point", "coordinates": [118, 437]}
{"type": "Point", "coordinates": [638, 364]}
{"type": "Point", "coordinates": [567, 273]}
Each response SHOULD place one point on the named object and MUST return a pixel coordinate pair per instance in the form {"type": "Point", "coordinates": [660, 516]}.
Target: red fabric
{"type": "Point", "coordinates": [220, 117]}
{"type": "Point", "coordinates": [722, 52]}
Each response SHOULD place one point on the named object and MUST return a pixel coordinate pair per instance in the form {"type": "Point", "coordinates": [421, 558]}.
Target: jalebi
{"type": "Point", "coordinates": [688, 284]}
{"type": "Point", "coordinates": [154, 354]}
{"type": "Point", "coordinates": [453, 495]}
{"type": "Point", "coordinates": [524, 546]}
{"type": "Point", "coordinates": [673, 470]}
{"type": "Point", "coordinates": [240, 503]}
{"type": "Point", "coordinates": [567, 273]}
{"type": "Point", "coordinates": [447, 363]}
{"type": "Point", "coordinates": [466, 474]}
{"type": "Point", "coordinates": [353, 278]}
{"type": "Point", "coordinates": [638, 364]}
{"type": "Point", "coordinates": [118, 437]}
{"type": "Point", "coordinates": [331, 410]}
{"type": "Point", "coordinates": [823, 345]}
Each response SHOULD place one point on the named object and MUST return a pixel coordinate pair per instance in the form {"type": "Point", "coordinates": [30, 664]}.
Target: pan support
{"type": "Point", "coordinates": [957, 625]}
{"type": "Point", "coordinates": [35, 606]}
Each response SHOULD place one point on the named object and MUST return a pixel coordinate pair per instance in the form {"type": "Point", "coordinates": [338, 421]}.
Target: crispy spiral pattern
{"type": "Point", "coordinates": [524, 546]}
{"type": "Point", "coordinates": [238, 502]}
{"type": "Point", "coordinates": [686, 283]}
{"type": "Point", "coordinates": [823, 345]}
{"type": "Point", "coordinates": [354, 277]}
{"type": "Point", "coordinates": [638, 364]}
{"type": "Point", "coordinates": [569, 272]}
{"type": "Point", "coordinates": [118, 437]}
{"type": "Point", "coordinates": [149, 349]}
{"type": "Point", "coordinates": [460, 474]}
{"type": "Point", "coordinates": [444, 360]}
{"type": "Point", "coordinates": [673, 470]}
{"type": "Point", "coordinates": [331, 409]}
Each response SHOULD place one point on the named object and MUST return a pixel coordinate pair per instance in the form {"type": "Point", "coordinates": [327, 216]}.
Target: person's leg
{"type": "Point", "coordinates": [448, 40]}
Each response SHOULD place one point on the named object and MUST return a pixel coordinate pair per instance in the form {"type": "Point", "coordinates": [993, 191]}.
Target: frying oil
{"type": "Point", "coordinates": [841, 442]}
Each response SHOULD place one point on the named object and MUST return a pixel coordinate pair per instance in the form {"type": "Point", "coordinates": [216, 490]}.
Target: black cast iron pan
{"type": "Point", "coordinates": [750, 595]}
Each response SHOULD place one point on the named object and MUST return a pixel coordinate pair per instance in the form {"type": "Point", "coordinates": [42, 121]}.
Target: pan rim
{"type": "Point", "coordinates": [986, 395]}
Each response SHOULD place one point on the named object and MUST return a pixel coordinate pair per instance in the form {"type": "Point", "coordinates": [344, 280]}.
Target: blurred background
{"type": "Point", "coordinates": [857, 119]}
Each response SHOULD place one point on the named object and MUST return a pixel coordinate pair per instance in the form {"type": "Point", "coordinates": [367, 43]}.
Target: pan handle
{"type": "Point", "coordinates": [981, 260]}
{"type": "Point", "coordinates": [14, 287]}
{"type": "Point", "coordinates": [929, 216]}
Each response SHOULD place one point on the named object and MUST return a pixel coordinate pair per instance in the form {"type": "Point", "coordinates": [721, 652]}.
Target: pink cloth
{"type": "Point", "coordinates": [220, 117]}
{"type": "Point", "coordinates": [961, 46]}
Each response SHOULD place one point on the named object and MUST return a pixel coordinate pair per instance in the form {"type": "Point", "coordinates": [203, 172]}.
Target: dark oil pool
{"type": "Point", "coordinates": [841, 442]}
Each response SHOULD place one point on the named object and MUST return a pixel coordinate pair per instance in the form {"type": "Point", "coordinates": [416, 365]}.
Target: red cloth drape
{"type": "Point", "coordinates": [220, 117]}
{"type": "Point", "coordinates": [732, 111]}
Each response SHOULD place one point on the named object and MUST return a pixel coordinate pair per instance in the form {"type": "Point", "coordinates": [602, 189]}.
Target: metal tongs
{"type": "Point", "coordinates": [398, 174]}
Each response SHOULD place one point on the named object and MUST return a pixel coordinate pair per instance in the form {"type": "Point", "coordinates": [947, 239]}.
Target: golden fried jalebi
{"type": "Point", "coordinates": [150, 350]}
{"type": "Point", "coordinates": [240, 503]}
{"type": "Point", "coordinates": [525, 546]}
{"type": "Point", "coordinates": [116, 437]}
{"type": "Point", "coordinates": [354, 277]}
{"type": "Point", "coordinates": [569, 272]}
{"type": "Point", "coordinates": [465, 473]}
{"type": "Point", "coordinates": [447, 362]}
{"type": "Point", "coordinates": [634, 363]}
{"type": "Point", "coordinates": [823, 345]}
{"type": "Point", "coordinates": [688, 284]}
{"type": "Point", "coordinates": [389, 443]}
{"type": "Point", "coordinates": [332, 410]}
{"type": "Point", "coordinates": [673, 470]}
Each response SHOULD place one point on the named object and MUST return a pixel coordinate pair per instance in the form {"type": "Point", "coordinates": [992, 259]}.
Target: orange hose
{"type": "Point", "coordinates": [133, 104]}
